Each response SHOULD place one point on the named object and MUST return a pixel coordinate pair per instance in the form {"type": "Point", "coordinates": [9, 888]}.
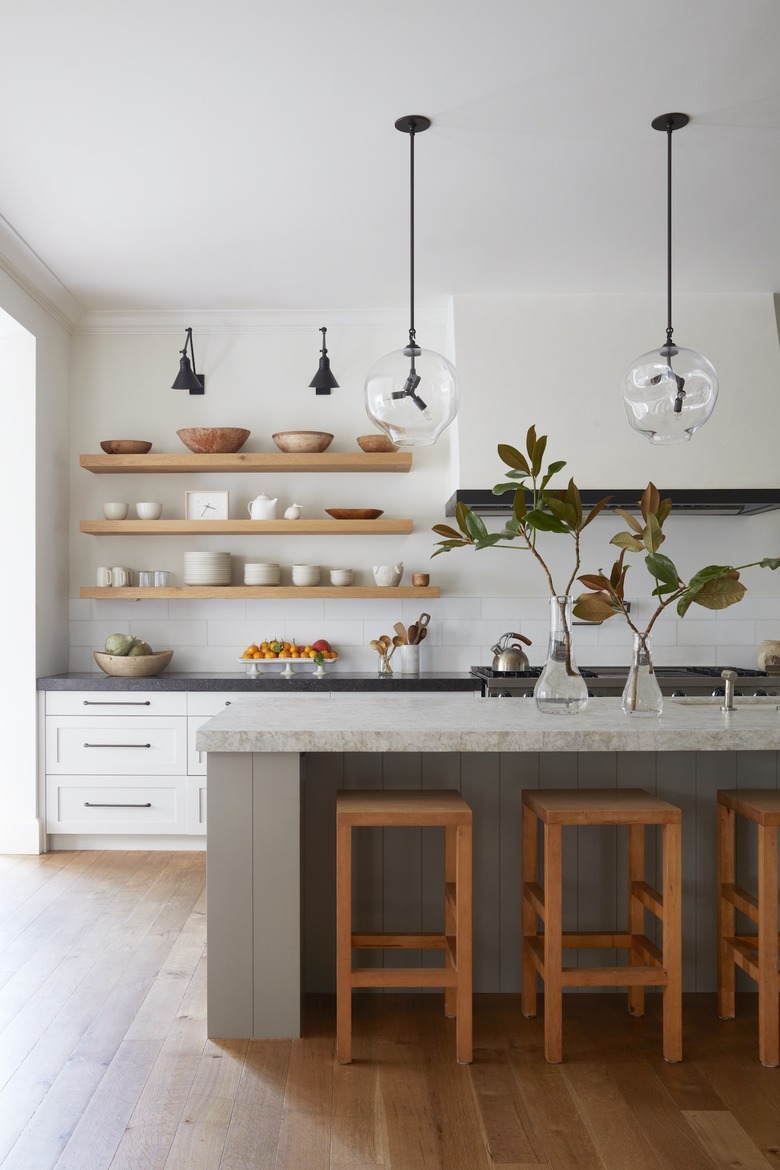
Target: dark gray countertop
{"type": "Point", "coordinates": [304, 683]}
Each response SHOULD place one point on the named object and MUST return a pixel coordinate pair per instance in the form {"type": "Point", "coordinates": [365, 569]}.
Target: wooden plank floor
{"type": "Point", "coordinates": [105, 1064]}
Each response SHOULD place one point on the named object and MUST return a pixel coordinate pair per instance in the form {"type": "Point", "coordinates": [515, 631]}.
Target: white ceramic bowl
{"type": "Point", "coordinates": [341, 576]}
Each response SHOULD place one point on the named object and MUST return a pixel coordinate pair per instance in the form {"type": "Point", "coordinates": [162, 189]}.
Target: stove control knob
{"type": "Point", "coordinates": [718, 693]}
{"type": "Point", "coordinates": [760, 694]}
{"type": "Point", "coordinates": [528, 694]}
{"type": "Point", "coordinates": [678, 694]}
{"type": "Point", "coordinates": [504, 695]}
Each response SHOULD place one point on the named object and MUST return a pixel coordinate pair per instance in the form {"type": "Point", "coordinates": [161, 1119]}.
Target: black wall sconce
{"type": "Point", "coordinates": [188, 378]}
{"type": "Point", "coordinates": [323, 381]}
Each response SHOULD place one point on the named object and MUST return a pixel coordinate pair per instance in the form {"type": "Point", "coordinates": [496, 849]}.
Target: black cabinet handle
{"type": "Point", "coordinates": [118, 745]}
{"type": "Point", "coordinates": [89, 804]}
{"type": "Point", "coordinates": [116, 702]}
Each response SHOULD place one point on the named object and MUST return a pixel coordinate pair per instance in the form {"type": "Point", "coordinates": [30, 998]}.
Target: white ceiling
{"type": "Point", "coordinates": [242, 155]}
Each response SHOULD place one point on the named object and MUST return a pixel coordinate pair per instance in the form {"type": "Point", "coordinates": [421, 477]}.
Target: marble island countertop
{"type": "Point", "coordinates": [466, 723]}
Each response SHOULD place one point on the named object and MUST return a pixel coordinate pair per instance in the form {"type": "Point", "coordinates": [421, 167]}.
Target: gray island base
{"type": "Point", "coordinates": [273, 770]}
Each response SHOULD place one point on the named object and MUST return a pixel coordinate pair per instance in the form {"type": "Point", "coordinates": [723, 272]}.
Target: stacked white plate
{"type": "Point", "coordinates": [207, 568]}
{"type": "Point", "coordinates": [262, 574]}
{"type": "Point", "coordinates": [306, 574]}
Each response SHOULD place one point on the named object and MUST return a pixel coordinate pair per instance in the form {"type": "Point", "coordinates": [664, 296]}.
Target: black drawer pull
{"type": "Point", "coordinates": [122, 745]}
{"type": "Point", "coordinates": [89, 804]}
{"type": "Point", "coordinates": [117, 702]}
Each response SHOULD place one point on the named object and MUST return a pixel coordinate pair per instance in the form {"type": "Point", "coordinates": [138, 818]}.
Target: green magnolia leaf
{"type": "Point", "coordinates": [565, 511]}
{"type": "Point", "coordinates": [475, 526]}
{"type": "Point", "coordinates": [626, 541]}
{"type": "Point", "coordinates": [519, 507]}
{"type": "Point", "coordinates": [650, 501]}
{"type": "Point", "coordinates": [537, 454]}
{"type": "Point", "coordinates": [663, 570]}
{"type": "Point", "coordinates": [487, 541]}
{"type": "Point", "coordinates": [552, 470]}
{"type": "Point", "coordinates": [544, 522]}
{"type": "Point", "coordinates": [445, 530]}
{"type": "Point", "coordinates": [652, 536]}
{"type": "Point", "coordinates": [530, 442]}
{"type": "Point", "coordinates": [770, 563]}
{"type": "Point", "coordinates": [711, 573]}
{"type": "Point", "coordinates": [461, 512]}
{"type": "Point", "coordinates": [664, 508]}
{"type": "Point", "coordinates": [593, 607]}
{"type": "Point", "coordinates": [716, 593]}
{"type": "Point", "coordinates": [630, 520]}
{"type": "Point", "coordinates": [448, 545]}
{"type": "Point", "coordinates": [509, 533]}
{"type": "Point", "coordinates": [512, 457]}
{"type": "Point", "coordinates": [500, 488]}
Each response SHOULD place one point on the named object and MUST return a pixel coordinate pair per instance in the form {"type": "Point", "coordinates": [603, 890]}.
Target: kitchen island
{"type": "Point", "coordinates": [273, 773]}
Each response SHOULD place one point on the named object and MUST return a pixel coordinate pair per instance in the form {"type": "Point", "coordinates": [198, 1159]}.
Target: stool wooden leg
{"type": "Point", "coordinates": [463, 1022]}
{"type": "Point", "coordinates": [450, 913]}
{"type": "Point", "coordinates": [768, 1035]}
{"type": "Point", "coordinates": [344, 944]}
{"type": "Point", "coordinates": [636, 911]}
{"type": "Point", "coordinates": [553, 949]}
{"type": "Point", "coordinates": [530, 876]}
{"type": "Point", "coordinates": [726, 912]}
{"type": "Point", "coordinates": [672, 941]}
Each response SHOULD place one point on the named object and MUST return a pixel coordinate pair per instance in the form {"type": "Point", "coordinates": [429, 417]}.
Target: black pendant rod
{"type": "Point", "coordinates": [412, 334]}
{"type": "Point", "coordinates": [669, 123]}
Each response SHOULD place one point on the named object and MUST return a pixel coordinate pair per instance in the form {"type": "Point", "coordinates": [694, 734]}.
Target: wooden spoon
{"type": "Point", "coordinates": [400, 630]}
{"type": "Point", "coordinates": [411, 634]}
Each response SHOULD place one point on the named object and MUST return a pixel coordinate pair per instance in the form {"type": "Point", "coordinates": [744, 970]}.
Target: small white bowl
{"type": "Point", "coordinates": [341, 576]}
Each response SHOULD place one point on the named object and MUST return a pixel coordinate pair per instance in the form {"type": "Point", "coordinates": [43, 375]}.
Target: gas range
{"type": "Point", "coordinates": [610, 680]}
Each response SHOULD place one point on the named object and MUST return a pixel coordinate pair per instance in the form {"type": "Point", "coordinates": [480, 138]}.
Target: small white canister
{"type": "Point", "coordinates": [408, 659]}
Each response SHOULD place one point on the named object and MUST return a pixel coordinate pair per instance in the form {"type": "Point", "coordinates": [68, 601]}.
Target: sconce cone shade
{"type": "Point", "coordinates": [657, 405]}
{"type": "Point", "coordinates": [416, 419]}
{"type": "Point", "coordinates": [186, 379]}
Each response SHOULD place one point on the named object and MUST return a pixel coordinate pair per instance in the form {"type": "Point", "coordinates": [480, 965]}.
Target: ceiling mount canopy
{"type": "Point", "coordinates": [412, 393]}
{"type": "Point", "coordinates": [324, 381]}
{"type": "Point", "coordinates": [187, 377]}
{"type": "Point", "coordinates": [669, 392]}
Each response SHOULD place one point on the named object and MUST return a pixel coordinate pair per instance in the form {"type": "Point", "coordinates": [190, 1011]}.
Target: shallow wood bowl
{"type": "Point", "coordinates": [354, 513]}
{"type": "Point", "coordinates": [140, 666]}
{"type": "Point", "coordinates": [125, 446]}
{"type": "Point", "coordinates": [302, 441]}
{"type": "Point", "coordinates": [372, 443]}
{"type": "Point", "coordinates": [213, 440]}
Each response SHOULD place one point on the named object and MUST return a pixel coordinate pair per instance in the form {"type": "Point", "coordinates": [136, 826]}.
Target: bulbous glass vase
{"type": "Point", "coordinates": [560, 688]}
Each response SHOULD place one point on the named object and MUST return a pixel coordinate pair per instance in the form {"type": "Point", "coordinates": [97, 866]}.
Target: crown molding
{"type": "Point", "coordinates": [26, 269]}
{"type": "Point", "coordinates": [252, 321]}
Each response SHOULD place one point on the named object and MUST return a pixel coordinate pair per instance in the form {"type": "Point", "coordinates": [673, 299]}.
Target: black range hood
{"type": "Point", "coordinates": [685, 502]}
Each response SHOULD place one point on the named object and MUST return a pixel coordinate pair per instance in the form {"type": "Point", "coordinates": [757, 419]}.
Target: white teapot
{"type": "Point", "coordinates": [388, 574]}
{"type": "Point", "coordinates": [262, 508]}
{"type": "Point", "coordinates": [293, 512]}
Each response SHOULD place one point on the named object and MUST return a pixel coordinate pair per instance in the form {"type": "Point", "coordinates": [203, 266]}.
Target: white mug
{"type": "Point", "coordinates": [149, 511]}
{"type": "Point", "coordinates": [103, 576]}
{"type": "Point", "coordinates": [115, 511]}
{"type": "Point", "coordinates": [120, 577]}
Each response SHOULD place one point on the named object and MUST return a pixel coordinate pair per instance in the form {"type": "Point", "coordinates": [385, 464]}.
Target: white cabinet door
{"type": "Point", "coordinates": [115, 746]}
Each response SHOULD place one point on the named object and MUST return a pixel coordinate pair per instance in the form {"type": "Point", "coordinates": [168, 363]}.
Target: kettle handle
{"type": "Point", "coordinates": [522, 638]}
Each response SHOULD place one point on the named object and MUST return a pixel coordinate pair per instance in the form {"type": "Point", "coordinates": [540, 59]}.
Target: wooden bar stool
{"type": "Point", "coordinates": [755, 953]}
{"type": "Point", "coordinates": [414, 808]}
{"type": "Point", "coordinates": [543, 951]}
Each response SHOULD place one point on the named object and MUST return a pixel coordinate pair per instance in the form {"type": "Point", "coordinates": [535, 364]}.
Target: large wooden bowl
{"type": "Point", "coordinates": [213, 440]}
{"type": "Point", "coordinates": [138, 666]}
{"type": "Point", "coordinates": [302, 441]}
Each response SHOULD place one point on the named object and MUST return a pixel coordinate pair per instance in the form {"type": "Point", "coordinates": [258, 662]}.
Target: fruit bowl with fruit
{"type": "Point", "coordinates": [131, 657]}
{"type": "Point", "coordinates": [290, 655]}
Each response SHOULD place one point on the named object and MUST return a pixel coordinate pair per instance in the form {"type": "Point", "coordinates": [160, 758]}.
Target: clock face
{"type": "Point", "coordinates": [206, 506]}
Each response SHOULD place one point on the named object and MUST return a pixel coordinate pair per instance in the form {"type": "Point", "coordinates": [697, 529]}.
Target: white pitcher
{"type": "Point", "coordinates": [262, 508]}
{"type": "Point", "coordinates": [293, 512]}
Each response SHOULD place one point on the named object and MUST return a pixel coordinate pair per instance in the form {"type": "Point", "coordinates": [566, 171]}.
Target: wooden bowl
{"type": "Point", "coordinates": [355, 513]}
{"type": "Point", "coordinates": [377, 442]}
{"type": "Point", "coordinates": [302, 441]}
{"type": "Point", "coordinates": [139, 666]}
{"type": "Point", "coordinates": [125, 446]}
{"type": "Point", "coordinates": [213, 440]}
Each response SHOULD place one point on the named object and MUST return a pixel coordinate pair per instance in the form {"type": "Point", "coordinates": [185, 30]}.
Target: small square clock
{"type": "Point", "coordinates": [205, 505]}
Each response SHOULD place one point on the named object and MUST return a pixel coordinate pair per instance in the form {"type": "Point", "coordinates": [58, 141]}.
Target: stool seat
{"type": "Point", "coordinates": [756, 952]}
{"type": "Point", "coordinates": [543, 949]}
{"type": "Point", "coordinates": [362, 808]}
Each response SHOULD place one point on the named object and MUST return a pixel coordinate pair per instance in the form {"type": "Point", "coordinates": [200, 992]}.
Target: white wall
{"type": "Point", "coordinates": [257, 369]}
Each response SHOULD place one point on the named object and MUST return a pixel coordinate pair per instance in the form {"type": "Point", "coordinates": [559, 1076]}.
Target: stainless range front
{"type": "Point", "coordinates": [610, 680]}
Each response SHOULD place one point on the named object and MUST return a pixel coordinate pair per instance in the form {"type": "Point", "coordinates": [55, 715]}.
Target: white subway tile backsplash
{"type": "Point", "coordinates": [132, 610]}
{"type": "Point", "coordinates": [218, 609]}
{"type": "Point", "coordinates": [271, 612]}
{"type": "Point", "coordinates": [79, 609]}
{"type": "Point", "coordinates": [94, 634]}
{"type": "Point", "coordinates": [164, 635]}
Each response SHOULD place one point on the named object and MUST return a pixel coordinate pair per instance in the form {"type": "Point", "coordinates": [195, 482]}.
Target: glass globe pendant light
{"type": "Point", "coordinates": [670, 392]}
{"type": "Point", "coordinates": [412, 393]}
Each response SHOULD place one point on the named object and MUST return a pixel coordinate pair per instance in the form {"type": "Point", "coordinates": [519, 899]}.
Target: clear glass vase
{"type": "Point", "coordinates": [642, 694]}
{"type": "Point", "coordinates": [560, 688]}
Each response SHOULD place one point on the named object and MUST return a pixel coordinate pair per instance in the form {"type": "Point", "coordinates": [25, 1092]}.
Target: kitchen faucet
{"type": "Point", "coordinates": [729, 677]}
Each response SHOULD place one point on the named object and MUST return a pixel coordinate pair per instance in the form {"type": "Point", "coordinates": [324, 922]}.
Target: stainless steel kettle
{"type": "Point", "coordinates": [510, 657]}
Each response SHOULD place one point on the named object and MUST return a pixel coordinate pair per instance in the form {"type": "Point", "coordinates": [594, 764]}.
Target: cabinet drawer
{"type": "Point", "coordinates": [135, 804]}
{"type": "Point", "coordinates": [116, 703]}
{"type": "Point", "coordinates": [211, 702]}
{"type": "Point", "coordinates": [122, 746]}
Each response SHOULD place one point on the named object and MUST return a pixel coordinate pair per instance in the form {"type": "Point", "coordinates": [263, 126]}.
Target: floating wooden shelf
{"type": "Point", "coordinates": [246, 527]}
{"type": "Point", "coordinates": [249, 461]}
{"type": "Point", "coordinates": [266, 592]}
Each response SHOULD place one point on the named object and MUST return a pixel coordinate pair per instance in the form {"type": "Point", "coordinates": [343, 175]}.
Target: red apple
{"type": "Point", "coordinates": [320, 645]}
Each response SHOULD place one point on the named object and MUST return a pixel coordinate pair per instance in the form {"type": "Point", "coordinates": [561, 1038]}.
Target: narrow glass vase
{"type": "Point", "coordinates": [560, 688]}
{"type": "Point", "coordinates": [642, 693]}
